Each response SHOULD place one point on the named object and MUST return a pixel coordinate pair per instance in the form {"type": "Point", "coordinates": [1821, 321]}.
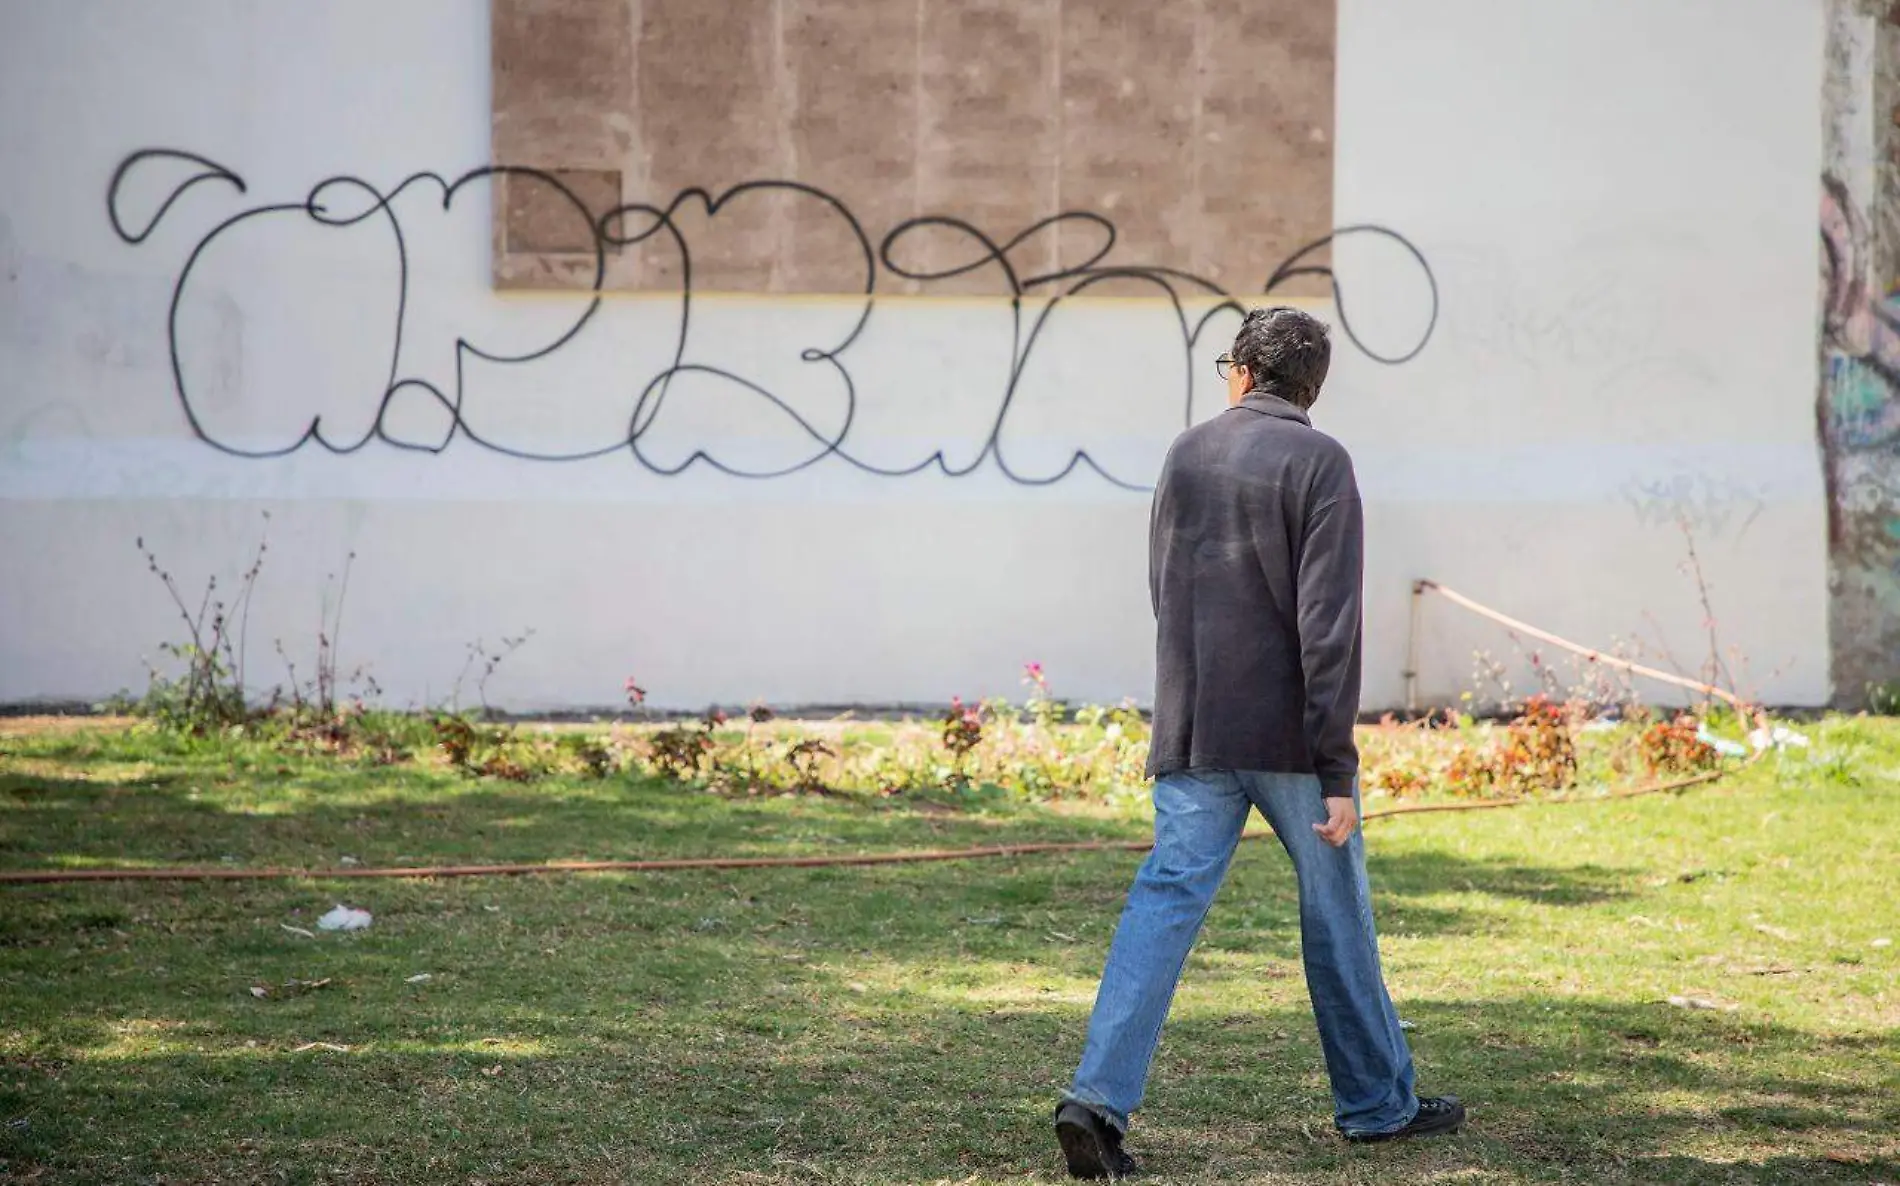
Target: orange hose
{"type": "Point", "coordinates": [1590, 653]}
{"type": "Point", "coordinates": [45, 876]}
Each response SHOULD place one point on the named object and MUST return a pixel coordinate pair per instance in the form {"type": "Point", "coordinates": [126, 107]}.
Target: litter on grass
{"type": "Point", "coordinates": [1781, 737]}
{"type": "Point", "coordinates": [1684, 1002]}
{"type": "Point", "coordinates": [1721, 745]}
{"type": "Point", "coordinates": [344, 918]}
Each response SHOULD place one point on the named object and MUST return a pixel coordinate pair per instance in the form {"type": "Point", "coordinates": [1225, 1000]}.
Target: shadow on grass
{"type": "Point", "coordinates": [774, 1027]}
{"type": "Point", "coordinates": [878, 1088]}
{"type": "Point", "coordinates": [1416, 872]}
{"type": "Point", "coordinates": [312, 817]}
{"type": "Point", "coordinates": [319, 816]}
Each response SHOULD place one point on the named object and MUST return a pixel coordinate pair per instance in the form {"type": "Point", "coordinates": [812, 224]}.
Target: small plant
{"type": "Point", "coordinates": [486, 662]}
{"type": "Point", "coordinates": [209, 695]}
{"type": "Point", "coordinates": [1045, 711]}
{"type": "Point", "coordinates": [504, 765]}
{"type": "Point", "coordinates": [587, 754]}
{"type": "Point", "coordinates": [319, 705]}
{"type": "Point", "coordinates": [1488, 671]}
{"type": "Point", "coordinates": [1397, 762]}
{"type": "Point", "coordinates": [1534, 752]}
{"type": "Point", "coordinates": [1675, 746]}
{"type": "Point", "coordinates": [1403, 781]}
{"type": "Point", "coordinates": [747, 768]}
{"type": "Point", "coordinates": [1839, 767]}
{"type": "Point", "coordinates": [962, 733]}
{"type": "Point", "coordinates": [804, 757]}
{"type": "Point", "coordinates": [481, 751]}
{"type": "Point", "coordinates": [1883, 699]}
{"type": "Point", "coordinates": [680, 752]}
{"type": "Point", "coordinates": [329, 640]}
{"type": "Point", "coordinates": [962, 728]}
{"type": "Point", "coordinates": [1715, 669]}
{"type": "Point", "coordinates": [456, 738]}
{"type": "Point", "coordinates": [1542, 746]}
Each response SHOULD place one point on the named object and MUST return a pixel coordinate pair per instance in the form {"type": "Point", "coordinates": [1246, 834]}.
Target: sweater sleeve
{"type": "Point", "coordinates": [1331, 577]}
{"type": "Point", "coordinates": [1157, 542]}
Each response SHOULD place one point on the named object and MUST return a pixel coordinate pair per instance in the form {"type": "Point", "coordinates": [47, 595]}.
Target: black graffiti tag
{"type": "Point", "coordinates": [343, 201]}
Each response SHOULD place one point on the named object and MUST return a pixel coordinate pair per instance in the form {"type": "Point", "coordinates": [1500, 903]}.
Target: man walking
{"type": "Point", "coordinates": [1255, 568]}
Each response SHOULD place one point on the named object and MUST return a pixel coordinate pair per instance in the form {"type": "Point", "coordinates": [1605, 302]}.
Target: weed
{"type": "Point", "coordinates": [962, 733]}
{"type": "Point", "coordinates": [485, 662]}
{"type": "Point", "coordinates": [209, 695]}
{"type": "Point", "coordinates": [587, 754]}
{"type": "Point", "coordinates": [1675, 747]}
{"type": "Point", "coordinates": [1534, 752]}
{"type": "Point", "coordinates": [476, 750]}
{"type": "Point", "coordinates": [680, 751]}
{"type": "Point", "coordinates": [803, 757]}
{"type": "Point", "coordinates": [1883, 699]}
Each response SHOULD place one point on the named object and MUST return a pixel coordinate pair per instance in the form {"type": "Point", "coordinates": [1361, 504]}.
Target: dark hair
{"type": "Point", "coordinates": [1286, 353]}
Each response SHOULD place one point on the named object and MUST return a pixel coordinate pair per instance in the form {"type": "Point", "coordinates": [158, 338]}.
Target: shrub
{"type": "Point", "coordinates": [1533, 752]}
{"type": "Point", "coordinates": [1674, 747]}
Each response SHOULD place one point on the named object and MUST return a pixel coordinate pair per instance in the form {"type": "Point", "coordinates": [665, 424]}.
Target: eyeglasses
{"type": "Point", "coordinates": [1221, 364]}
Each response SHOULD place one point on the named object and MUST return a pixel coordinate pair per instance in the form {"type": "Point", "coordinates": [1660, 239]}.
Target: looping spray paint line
{"type": "Point", "coordinates": [342, 202]}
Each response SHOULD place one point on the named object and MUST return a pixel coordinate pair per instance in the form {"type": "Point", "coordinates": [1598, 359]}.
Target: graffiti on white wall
{"type": "Point", "coordinates": [422, 411]}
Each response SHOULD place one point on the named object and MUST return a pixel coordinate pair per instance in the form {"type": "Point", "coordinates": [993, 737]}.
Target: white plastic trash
{"type": "Point", "coordinates": [1782, 738]}
{"type": "Point", "coordinates": [344, 918]}
{"type": "Point", "coordinates": [1721, 745]}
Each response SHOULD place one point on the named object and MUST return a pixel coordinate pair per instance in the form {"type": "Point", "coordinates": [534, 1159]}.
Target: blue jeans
{"type": "Point", "coordinates": [1199, 815]}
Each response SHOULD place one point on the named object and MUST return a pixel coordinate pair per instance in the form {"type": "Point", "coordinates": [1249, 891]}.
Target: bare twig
{"type": "Point", "coordinates": [246, 585]}
{"type": "Point", "coordinates": [508, 647]}
{"type": "Point", "coordinates": [1716, 669]}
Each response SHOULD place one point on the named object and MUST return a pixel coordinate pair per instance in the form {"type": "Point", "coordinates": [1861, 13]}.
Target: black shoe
{"type": "Point", "coordinates": [1091, 1145]}
{"type": "Point", "coordinates": [1436, 1114]}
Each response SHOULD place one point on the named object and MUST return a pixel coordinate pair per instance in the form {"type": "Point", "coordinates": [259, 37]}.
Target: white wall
{"type": "Point", "coordinates": [1617, 198]}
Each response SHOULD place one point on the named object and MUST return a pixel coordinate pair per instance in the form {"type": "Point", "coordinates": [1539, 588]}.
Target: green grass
{"type": "Point", "coordinates": [913, 1023]}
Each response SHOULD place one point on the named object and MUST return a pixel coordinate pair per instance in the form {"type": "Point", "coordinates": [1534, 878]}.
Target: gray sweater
{"type": "Point", "coordinates": [1256, 556]}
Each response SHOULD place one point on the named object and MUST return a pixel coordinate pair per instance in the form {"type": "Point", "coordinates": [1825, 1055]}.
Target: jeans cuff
{"type": "Point", "coordinates": [1354, 1130]}
{"type": "Point", "coordinates": [1114, 1118]}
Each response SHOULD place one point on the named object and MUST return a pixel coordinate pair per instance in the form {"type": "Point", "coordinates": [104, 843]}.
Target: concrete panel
{"type": "Point", "coordinates": [1202, 133]}
{"type": "Point", "coordinates": [558, 216]}
{"type": "Point", "coordinates": [853, 75]}
{"type": "Point", "coordinates": [711, 116]}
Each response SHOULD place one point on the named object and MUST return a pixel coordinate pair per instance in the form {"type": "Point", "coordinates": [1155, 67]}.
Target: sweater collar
{"type": "Point", "coordinates": [1265, 403]}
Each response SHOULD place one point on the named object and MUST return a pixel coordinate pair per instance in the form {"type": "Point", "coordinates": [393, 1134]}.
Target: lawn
{"type": "Point", "coordinates": [913, 1023]}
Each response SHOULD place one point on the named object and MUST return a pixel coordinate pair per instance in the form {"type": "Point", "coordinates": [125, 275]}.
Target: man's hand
{"type": "Point", "coordinates": [1342, 819]}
